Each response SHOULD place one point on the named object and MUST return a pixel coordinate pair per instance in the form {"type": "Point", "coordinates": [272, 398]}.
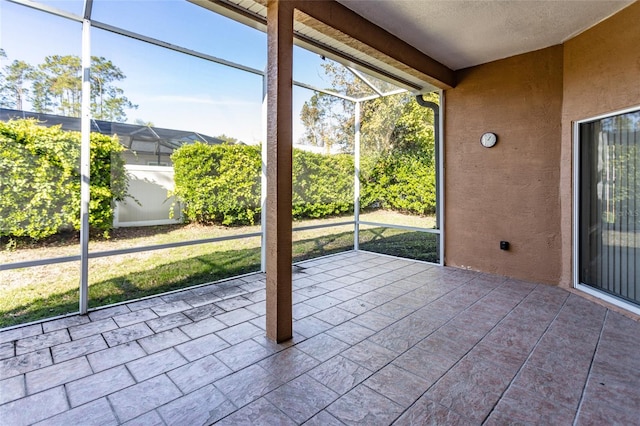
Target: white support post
{"type": "Point", "coordinates": [85, 158]}
{"type": "Point", "coordinates": [356, 180]}
{"type": "Point", "coordinates": [263, 181]}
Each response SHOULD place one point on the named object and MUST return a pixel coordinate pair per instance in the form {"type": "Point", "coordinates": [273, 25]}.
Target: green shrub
{"type": "Point", "coordinates": [322, 184]}
{"type": "Point", "coordinates": [218, 183]}
{"type": "Point", "coordinates": [40, 186]}
{"type": "Point", "coordinates": [403, 182]}
{"type": "Point", "coordinates": [221, 183]}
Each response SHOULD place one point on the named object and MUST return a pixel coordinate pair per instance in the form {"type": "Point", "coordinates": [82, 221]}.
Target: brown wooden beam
{"type": "Point", "coordinates": [350, 23]}
{"type": "Point", "coordinates": [279, 165]}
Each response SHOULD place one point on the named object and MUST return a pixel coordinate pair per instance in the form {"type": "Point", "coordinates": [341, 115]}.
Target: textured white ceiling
{"type": "Point", "coordinates": [463, 33]}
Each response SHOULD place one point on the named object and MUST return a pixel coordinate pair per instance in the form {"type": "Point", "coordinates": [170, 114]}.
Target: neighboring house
{"type": "Point", "coordinates": [146, 145]}
{"type": "Point", "coordinates": [147, 160]}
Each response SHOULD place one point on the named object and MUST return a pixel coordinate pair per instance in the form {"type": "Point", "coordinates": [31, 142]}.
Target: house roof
{"type": "Point", "coordinates": [139, 138]}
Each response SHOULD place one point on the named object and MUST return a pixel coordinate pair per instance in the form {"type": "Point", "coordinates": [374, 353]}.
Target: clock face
{"type": "Point", "coordinates": [488, 139]}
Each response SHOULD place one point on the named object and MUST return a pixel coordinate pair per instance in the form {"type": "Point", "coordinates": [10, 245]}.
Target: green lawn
{"type": "Point", "coordinates": [40, 292]}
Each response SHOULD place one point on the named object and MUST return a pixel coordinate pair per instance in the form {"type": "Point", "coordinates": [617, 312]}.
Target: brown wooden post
{"type": "Point", "coordinates": [279, 159]}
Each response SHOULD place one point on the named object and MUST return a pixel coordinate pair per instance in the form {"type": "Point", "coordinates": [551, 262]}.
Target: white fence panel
{"type": "Point", "coordinates": [151, 205]}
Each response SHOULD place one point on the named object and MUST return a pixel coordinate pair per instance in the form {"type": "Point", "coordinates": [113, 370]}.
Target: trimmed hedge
{"type": "Point", "coordinates": [218, 183]}
{"type": "Point", "coordinates": [322, 184]}
{"type": "Point", "coordinates": [40, 186]}
{"type": "Point", "coordinates": [402, 182]}
{"type": "Point", "coordinates": [221, 183]}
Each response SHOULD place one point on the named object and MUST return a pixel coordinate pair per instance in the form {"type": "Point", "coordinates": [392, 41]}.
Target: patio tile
{"type": "Point", "coordinates": [64, 323]}
{"type": "Point", "coordinates": [24, 363]}
{"type": "Point", "coordinates": [323, 302]}
{"type": "Point", "coordinates": [233, 303]}
{"type": "Point", "coordinates": [301, 398]}
{"type": "Point", "coordinates": [258, 413]}
{"type": "Point", "coordinates": [520, 405]}
{"type": "Point", "coordinates": [236, 317]}
{"type": "Point", "coordinates": [98, 385]}
{"type": "Point", "coordinates": [301, 310]}
{"type": "Point", "coordinates": [202, 298]}
{"type": "Point", "coordinates": [92, 328]}
{"type": "Point", "coordinates": [334, 315]}
{"type": "Point", "coordinates": [108, 358]}
{"type": "Point", "coordinates": [597, 413]}
{"type": "Point", "coordinates": [374, 320]}
{"type": "Point", "coordinates": [204, 311]}
{"type": "Point", "coordinates": [449, 341]}
{"type": "Point", "coordinates": [167, 322]}
{"type": "Point", "coordinates": [356, 306]}
{"type": "Point", "coordinates": [104, 313]}
{"type": "Point", "coordinates": [34, 408]}
{"type": "Point", "coordinates": [127, 334]}
{"type": "Point", "coordinates": [310, 326]}
{"type": "Point", "coordinates": [243, 354]}
{"type": "Point", "coordinates": [7, 350]}
{"type": "Point", "coordinates": [202, 346]}
{"type": "Point", "coordinates": [259, 308]}
{"type": "Point", "coordinates": [322, 347]}
{"type": "Point", "coordinates": [398, 385]}
{"type": "Point", "coordinates": [134, 317]}
{"type": "Point", "coordinates": [239, 333]}
{"type": "Point", "coordinates": [201, 407]}
{"type": "Point", "coordinates": [146, 396]}
{"type": "Point", "coordinates": [41, 341]}
{"type": "Point", "coordinates": [163, 340]}
{"type": "Point", "coordinates": [198, 373]}
{"type": "Point", "coordinates": [57, 374]}
{"type": "Point", "coordinates": [565, 389]}
{"type": "Point", "coordinates": [201, 327]}
{"type": "Point", "coordinates": [323, 418]}
{"type": "Point", "coordinates": [471, 388]}
{"type": "Point", "coordinates": [427, 412]}
{"type": "Point", "coordinates": [393, 310]}
{"type": "Point", "coordinates": [12, 388]}
{"type": "Point", "coordinates": [247, 385]}
{"type": "Point", "coordinates": [77, 348]}
{"type": "Point", "coordinates": [311, 291]}
{"type": "Point", "coordinates": [177, 296]}
{"type": "Point", "coordinates": [370, 355]}
{"type": "Point", "coordinates": [97, 413]}
{"type": "Point", "coordinates": [403, 334]}
{"type": "Point", "coordinates": [155, 364]}
{"type": "Point", "coordinates": [430, 367]}
{"type": "Point", "coordinates": [257, 296]}
{"type": "Point", "coordinates": [364, 406]}
{"type": "Point", "coordinates": [288, 364]}
{"type": "Point", "coordinates": [144, 303]}
{"type": "Point", "coordinates": [350, 332]}
{"type": "Point", "coordinates": [151, 418]}
{"type": "Point", "coordinates": [340, 374]}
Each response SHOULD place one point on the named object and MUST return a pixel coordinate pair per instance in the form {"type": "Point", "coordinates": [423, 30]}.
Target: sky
{"type": "Point", "coordinates": [171, 89]}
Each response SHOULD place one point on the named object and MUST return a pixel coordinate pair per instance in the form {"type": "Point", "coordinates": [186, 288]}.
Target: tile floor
{"type": "Point", "coordinates": [377, 341]}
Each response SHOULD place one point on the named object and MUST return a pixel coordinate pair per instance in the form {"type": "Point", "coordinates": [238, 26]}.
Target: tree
{"type": "Point", "coordinates": [394, 122]}
{"type": "Point", "coordinates": [56, 87]}
{"type": "Point", "coordinates": [107, 100]}
{"type": "Point", "coordinates": [15, 77]}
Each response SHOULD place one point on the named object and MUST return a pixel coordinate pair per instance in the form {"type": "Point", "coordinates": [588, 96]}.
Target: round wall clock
{"type": "Point", "coordinates": [488, 139]}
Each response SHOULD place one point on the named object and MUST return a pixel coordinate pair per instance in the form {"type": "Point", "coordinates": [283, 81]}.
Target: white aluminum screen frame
{"type": "Point", "coordinates": [576, 217]}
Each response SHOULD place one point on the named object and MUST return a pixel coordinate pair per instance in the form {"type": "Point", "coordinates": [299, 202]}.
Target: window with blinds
{"type": "Point", "coordinates": [609, 205]}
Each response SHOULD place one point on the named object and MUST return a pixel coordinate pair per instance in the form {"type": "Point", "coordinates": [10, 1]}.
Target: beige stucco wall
{"type": "Point", "coordinates": [508, 192]}
{"type": "Point", "coordinates": [601, 75]}
{"type": "Point", "coordinates": [521, 190]}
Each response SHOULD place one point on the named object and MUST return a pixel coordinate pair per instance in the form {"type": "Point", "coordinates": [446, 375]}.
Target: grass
{"type": "Point", "coordinates": [34, 293]}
